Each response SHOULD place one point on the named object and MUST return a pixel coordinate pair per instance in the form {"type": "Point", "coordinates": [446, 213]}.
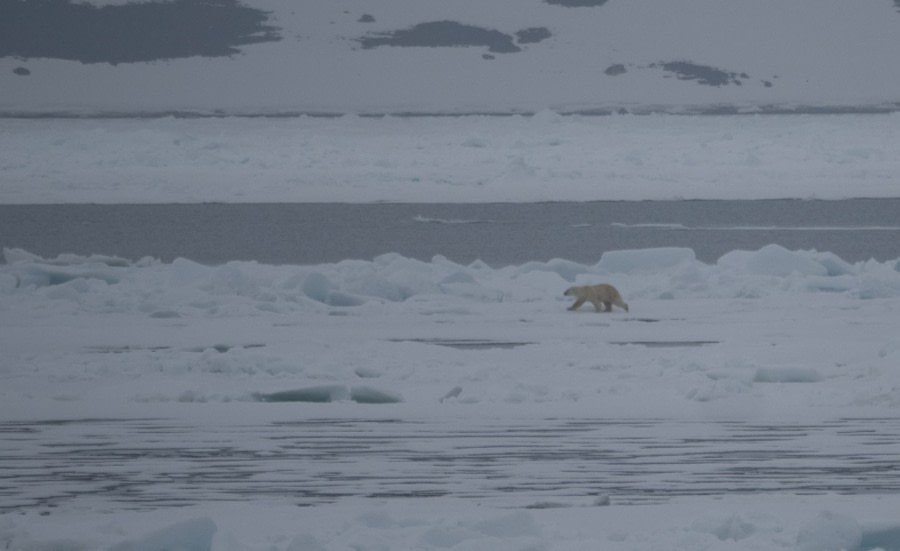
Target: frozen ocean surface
{"type": "Point", "coordinates": [541, 158]}
{"type": "Point", "coordinates": [382, 397]}
{"type": "Point", "coordinates": [749, 402]}
{"type": "Point", "coordinates": [387, 387]}
{"type": "Point", "coordinates": [396, 390]}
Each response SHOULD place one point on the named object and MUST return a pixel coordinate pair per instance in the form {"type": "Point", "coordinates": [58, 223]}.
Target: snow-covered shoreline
{"type": "Point", "coordinates": [436, 57]}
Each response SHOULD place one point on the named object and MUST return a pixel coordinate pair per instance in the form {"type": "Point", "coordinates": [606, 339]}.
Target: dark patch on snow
{"type": "Point", "coordinates": [666, 344]}
{"type": "Point", "coordinates": [125, 349]}
{"type": "Point", "coordinates": [577, 3]}
{"type": "Point", "coordinates": [366, 18]}
{"type": "Point", "coordinates": [615, 70]}
{"type": "Point", "coordinates": [705, 74]}
{"type": "Point", "coordinates": [21, 71]}
{"type": "Point", "coordinates": [130, 33]}
{"type": "Point", "coordinates": [223, 348]}
{"type": "Point", "coordinates": [399, 494]}
{"type": "Point", "coordinates": [443, 34]}
{"type": "Point", "coordinates": [702, 74]}
{"type": "Point", "coordinates": [467, 344]}
{"type": "Point", "coordinates": [165, 314]}
{"type": "Point", "coordinates": [331, 393]}
{"type": "Point", "coordinates": [319, 394]}
{"type": "Point", "coordinates": [533, 35]}
{"type": "Point", "coordinates": [548, 505]}
{"type": "Point", "coordinates": [786, 375]}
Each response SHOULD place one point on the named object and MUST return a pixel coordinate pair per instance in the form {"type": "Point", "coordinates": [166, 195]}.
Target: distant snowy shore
{"type": "Point", "coordinates": [544, 157]}
{"type": "Point", "coordinates": [431, 56]}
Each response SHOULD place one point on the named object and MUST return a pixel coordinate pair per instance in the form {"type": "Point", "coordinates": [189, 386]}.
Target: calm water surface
{"type": "Point", "coordinates": [497, 233]}
{"type": "Point", "coordinates": [150, 463]}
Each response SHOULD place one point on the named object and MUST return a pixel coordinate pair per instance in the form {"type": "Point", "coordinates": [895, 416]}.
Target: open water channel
{"type": "Point", "coordinates": [496, 233]}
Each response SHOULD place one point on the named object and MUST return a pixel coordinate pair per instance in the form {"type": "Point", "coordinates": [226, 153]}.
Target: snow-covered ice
{"type": "Point", "coordinates": [393, 403]}
{"type": "Point", "coordinates": [792, 340]}
{"type": "Point", "coordinates": [545, 157]}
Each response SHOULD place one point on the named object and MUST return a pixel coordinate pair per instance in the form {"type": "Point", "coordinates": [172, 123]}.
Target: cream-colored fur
{"type": "Point", "coordinates": [604, 294]}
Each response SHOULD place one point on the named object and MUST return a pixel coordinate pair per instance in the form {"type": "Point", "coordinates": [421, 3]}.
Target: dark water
{"type": "Point", "coordinates": [499, 234]}
{"type": "Point", "coordinates": [145, 463]}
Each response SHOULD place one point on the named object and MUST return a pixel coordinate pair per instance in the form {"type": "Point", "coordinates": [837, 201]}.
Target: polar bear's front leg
{"type": "Point", "coordinates": [578, 303]}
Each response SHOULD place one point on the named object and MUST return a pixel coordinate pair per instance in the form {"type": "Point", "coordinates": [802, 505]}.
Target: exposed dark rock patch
{"type": "Point", "coordinates": [21, 71]}
{"type": "Point", "coordinates": [366, 18]}
{"type": "Point", "coordinates": [615, 70]}
{"type": "Point", "coordinates": [438, 34]}
{"type": "Point", "coordinates": [129, 33]}
{"type": "Point", "coordinates": [702, 74]}
{"type": "Point", "coordinates": [533, 35]}
{"type": "Point", "coordinates": [578, 3]}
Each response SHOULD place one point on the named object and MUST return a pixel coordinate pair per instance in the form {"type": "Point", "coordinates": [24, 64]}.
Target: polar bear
{"type": "Point", "coordinates": [604, 294]}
